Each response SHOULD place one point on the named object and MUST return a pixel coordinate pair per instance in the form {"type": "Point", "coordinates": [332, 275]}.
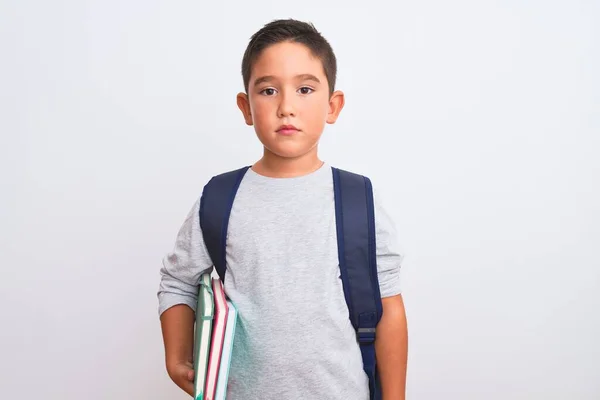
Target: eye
{"type": "Point", "coordinates": [305, 90]}
{"type": "Point", "coordinates": [268, 91]}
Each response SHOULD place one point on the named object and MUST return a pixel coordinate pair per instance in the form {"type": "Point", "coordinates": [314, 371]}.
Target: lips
{"type": "Point", "coordinates": [287, 130]}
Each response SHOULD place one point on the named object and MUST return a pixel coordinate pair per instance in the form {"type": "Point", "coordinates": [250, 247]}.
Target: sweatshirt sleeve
{"type": "Point", "coordinates": [184, 265]}
{"type": "Point", "coordinates": [389, 254]}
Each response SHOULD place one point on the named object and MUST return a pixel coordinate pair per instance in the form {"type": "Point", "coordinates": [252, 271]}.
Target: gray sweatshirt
{"type": "Point", "coordinates": [294, 339]}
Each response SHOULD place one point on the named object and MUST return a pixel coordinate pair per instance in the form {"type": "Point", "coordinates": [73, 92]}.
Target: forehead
{"type": "Point", "coordinates": [284, 60]}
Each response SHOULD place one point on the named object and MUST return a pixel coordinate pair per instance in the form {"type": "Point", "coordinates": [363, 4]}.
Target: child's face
{"type": "Point", "coordinates": [288, 86]}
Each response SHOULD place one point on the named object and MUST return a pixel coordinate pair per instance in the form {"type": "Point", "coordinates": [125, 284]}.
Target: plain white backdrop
{"type": "Point", "coordinates": [478, 121]}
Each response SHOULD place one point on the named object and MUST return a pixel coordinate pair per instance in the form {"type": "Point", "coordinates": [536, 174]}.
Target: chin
{"type": "Point", "coordinates": [289, 151]}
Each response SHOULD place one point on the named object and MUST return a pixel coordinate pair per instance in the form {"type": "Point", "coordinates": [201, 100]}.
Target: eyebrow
{"type": "Point", "coordinates": [301, 77]}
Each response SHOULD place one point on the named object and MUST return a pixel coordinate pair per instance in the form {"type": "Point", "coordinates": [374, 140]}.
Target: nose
{"type": "Point", "coordinates": [286, 106]}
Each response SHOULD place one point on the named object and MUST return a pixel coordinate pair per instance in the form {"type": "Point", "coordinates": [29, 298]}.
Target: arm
{"type": "Point", "coordinates": [177, 325]}
{"type": "Point", "coordinates": [391, 349]}
{"type": "Point", "coordinates": [391, 334]}
{"type": "Point", "coordinates": [177, 296]}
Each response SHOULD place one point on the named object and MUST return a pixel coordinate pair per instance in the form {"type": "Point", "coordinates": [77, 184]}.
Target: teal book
{"type": "Point", "coordinates": [202, 334]}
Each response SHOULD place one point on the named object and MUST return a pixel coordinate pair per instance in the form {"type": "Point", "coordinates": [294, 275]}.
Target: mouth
{"type": "Point", "coordinates": [287, 130]}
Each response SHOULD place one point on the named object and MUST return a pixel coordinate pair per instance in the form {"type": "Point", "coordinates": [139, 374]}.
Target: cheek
{"type": "Point", "coordinates": [261, 111]}
{"type": "Point", "coordinates": [318, 110]}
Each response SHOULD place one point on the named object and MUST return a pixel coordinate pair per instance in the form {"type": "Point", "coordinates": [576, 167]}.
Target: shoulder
{"type": "Point", "coordinates": [381, 214]}
{"type": "Point", "coordinates": [228, 175]}
{"type": "Point", "coordinates": [350, 178]}
{"type": "Point", "coordinates": [224, 181]}
{"type": "Point", "coordinates": [348, 172]}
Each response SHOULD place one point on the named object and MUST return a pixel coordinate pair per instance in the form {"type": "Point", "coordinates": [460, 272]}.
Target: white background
{"type": "Point", "coordinates": [479, 121]}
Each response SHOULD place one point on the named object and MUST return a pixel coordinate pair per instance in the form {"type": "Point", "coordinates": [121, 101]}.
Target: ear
{"type": "Point", "coordinates": [244, 105]}
{"type": "Point", "coordinates": [336, 103]}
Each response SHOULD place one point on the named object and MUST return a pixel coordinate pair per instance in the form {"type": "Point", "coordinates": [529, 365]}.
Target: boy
{"type": "Point", "coordinates": [294, 339]}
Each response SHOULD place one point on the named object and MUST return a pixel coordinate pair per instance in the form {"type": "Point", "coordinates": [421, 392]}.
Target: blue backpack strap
{"type": "Point", "coordinates": [215, 207]}
{"type": "Point", "coordinates": [355, 221]}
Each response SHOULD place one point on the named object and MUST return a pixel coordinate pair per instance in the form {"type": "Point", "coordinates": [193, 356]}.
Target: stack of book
{"type": "Point", "coordinates": [216, 318]}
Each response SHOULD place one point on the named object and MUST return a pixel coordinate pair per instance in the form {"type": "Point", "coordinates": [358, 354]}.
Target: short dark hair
{"type": "Point", "coordinates": [290, 30]}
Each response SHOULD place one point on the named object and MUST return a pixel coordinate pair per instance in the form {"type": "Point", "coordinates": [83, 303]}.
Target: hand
{"type": "Point", "coordinates": [182, 374]}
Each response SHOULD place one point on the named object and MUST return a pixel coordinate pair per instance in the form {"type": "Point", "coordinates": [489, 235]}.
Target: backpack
{"type": "Point", "coordinates": [355, 224]}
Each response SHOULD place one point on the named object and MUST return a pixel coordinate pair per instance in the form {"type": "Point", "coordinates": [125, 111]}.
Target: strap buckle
{"type": "Point", "coordinates": [366, 335]}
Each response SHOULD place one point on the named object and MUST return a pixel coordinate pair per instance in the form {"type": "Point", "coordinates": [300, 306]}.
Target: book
{"type": "Point", "coordinates": [218, 335]}
{"type": "Point", "coordinates": [221, 392]}
{"type": "Point", "coordinates": [202, 334]}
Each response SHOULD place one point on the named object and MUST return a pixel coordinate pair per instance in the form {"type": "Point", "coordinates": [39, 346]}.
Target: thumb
{"type": "Point", "coordinates": [190, 375]}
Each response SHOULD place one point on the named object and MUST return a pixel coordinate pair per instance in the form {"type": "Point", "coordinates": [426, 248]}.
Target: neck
{"type": "Point", "coordinates": [274, 166]}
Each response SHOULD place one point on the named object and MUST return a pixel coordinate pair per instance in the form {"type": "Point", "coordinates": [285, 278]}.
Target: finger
{"type": "Point", "coordinates": [190, 375]}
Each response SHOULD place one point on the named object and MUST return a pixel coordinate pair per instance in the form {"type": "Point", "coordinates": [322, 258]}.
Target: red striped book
{"type": "Point", "coordinates": [218, 335]}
